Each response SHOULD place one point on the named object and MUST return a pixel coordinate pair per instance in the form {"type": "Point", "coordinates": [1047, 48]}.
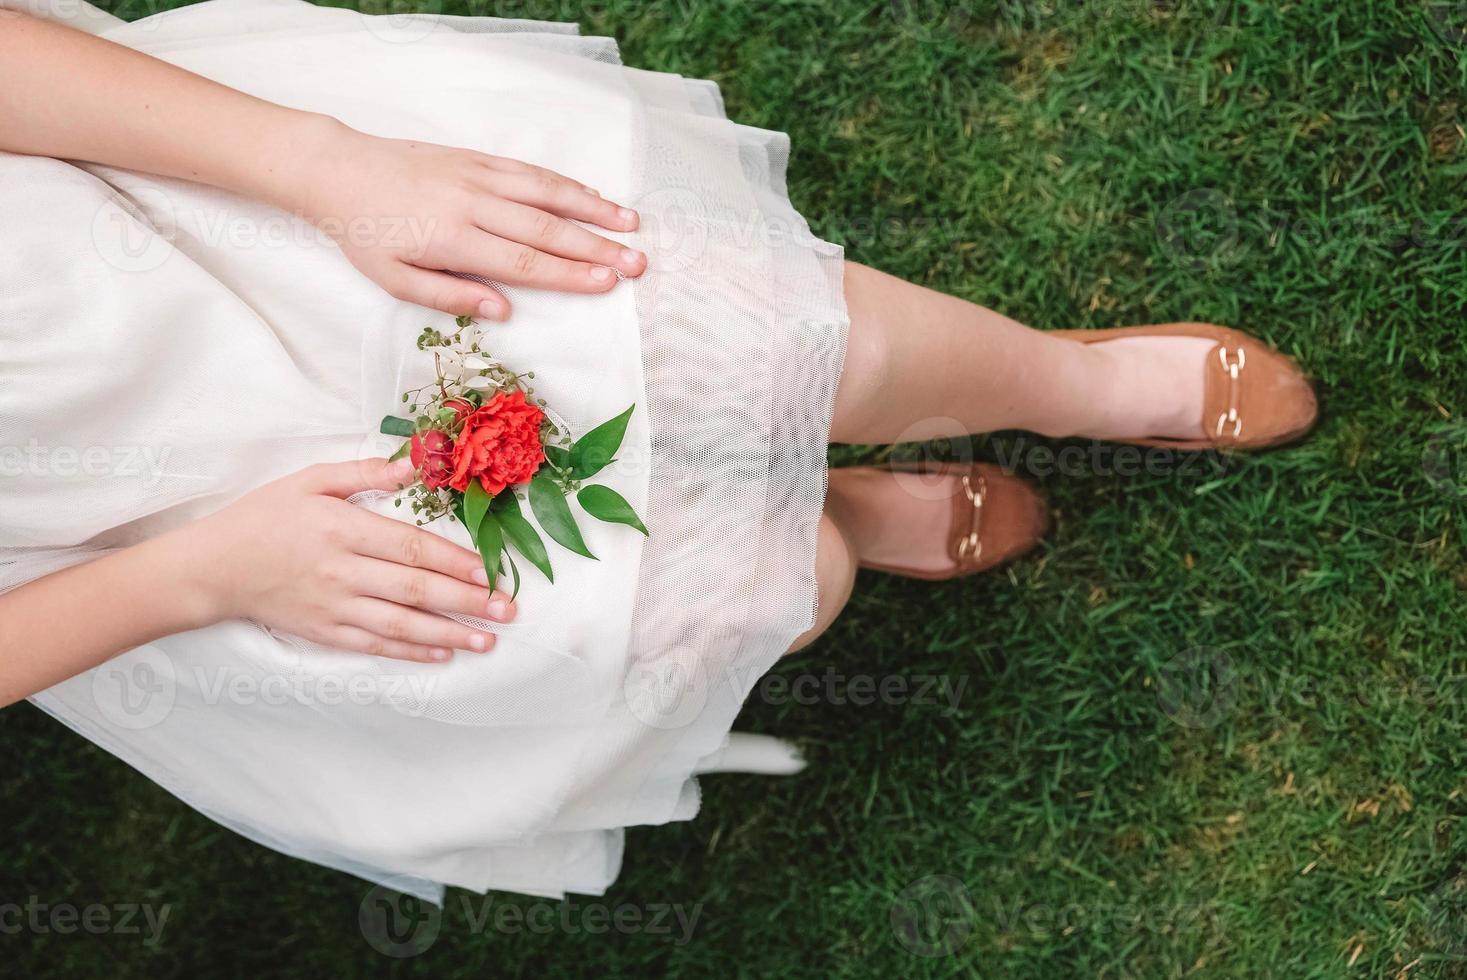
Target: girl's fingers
{"type": "Point", "coordinates": [362, 641]}
{"type": "Point", "coordinates": [429, 590]}
{"type": "Point", "coordinates": [400, 624]}
{"type": "Point", "coordinates": [521, 265]}
{"type": "Point", "coordinates": [560, 197]}
{"type": "Point", "coordinates": [445, 291]}
{"type": "Point", "coordinates": [374, 536]}
{"type": "Point", "coordinates": [549, 233]}
{"type": "Point", "coordinates": [521, 167]}
{"type": "Point", "coordinates": [356, 476]}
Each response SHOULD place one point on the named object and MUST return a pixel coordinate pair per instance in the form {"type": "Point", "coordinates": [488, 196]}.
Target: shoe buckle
{"type": "Point", "coordinates": [970, 547]}
{"type": "Point", "coordinates": [1233, 368]}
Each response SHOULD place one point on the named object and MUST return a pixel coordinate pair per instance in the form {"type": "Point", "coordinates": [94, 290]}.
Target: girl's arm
{"type": "Point", "coordinates": [131, 597]}
{"type": "Point", "coordinates": [292, 555]}
{"type": "Point", "coordinates": [70, 95]}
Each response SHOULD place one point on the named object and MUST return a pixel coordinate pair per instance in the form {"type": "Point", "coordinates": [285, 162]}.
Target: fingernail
{"type": "Point", "coordinates": [489, 309]}
{"type": "Point", "coordinates": [631, 256]}
{"type": "Point", "coordinates": [627, 215]}
{"type": "Point", "coordinates": [499, 608]}
{"type": "Point", "coordinates": [478, 641]}
{"type": "Point", "coordinates": [600, 273]}
{"type": "Point", "coordinates": [480, 576]}
{"type": "Point", "coordinates": [438, 654]}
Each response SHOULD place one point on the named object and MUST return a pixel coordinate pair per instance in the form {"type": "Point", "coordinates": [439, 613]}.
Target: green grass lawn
{"type": "Point", "coordinates": [1215, 728]}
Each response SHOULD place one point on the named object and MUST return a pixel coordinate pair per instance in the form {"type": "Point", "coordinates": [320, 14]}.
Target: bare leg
{"type": "Point", "coordinates": [922, 365]}
{"type": "Point", "coordinates": [835, 573]}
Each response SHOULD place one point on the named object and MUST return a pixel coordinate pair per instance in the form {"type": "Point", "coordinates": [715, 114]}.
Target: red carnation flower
{"type": "Point", "coordinates": [499, 445]}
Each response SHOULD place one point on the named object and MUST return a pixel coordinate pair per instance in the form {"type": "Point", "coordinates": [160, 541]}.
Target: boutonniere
{"type": "Point", "coordinates": [479, 437]}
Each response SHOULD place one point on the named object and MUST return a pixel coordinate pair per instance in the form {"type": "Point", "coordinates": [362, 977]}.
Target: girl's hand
{"type": "Point", "coordinates": [295, 556]}
{"type": "Point", "coordinates": [408, 214]}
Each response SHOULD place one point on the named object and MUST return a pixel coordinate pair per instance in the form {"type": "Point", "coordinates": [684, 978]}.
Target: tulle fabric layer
{"type": "Point", "coordinates": [221, 344]}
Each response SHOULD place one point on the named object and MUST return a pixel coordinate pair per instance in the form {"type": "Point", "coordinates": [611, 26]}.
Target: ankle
{"type": "Point", "coordinates": [1147, 387]}
{"type": "Point", "coordinates": [1124, 376]}
{"type": "Point", "coordinates": [1090, 393]}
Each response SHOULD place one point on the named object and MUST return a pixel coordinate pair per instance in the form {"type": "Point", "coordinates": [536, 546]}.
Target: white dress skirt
{"type": "Point", "coordinates": [166, 347]}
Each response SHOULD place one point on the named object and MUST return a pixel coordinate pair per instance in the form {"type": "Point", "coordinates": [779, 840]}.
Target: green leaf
{"type": "Point", "coordinates": [490, 539]}
{"type": "Point", "coordinates": [520, 532]}
{"type": "Point", "coordinates": [394, 426]}
{"type": "Point", "coordinates": [513, 570]}
{"type": "Point", "coordinates": [596, 448]}
{"type": "Point", "coordinates": [402, 451]}
{"type": "Point", "coordinates": [559, 458]}
{"type": "Point", "coordinates": [547, 500]}
{"type": "Point", "coordinates": [476, 505]}
{"type": "Point", "coordinates": [605, 504]}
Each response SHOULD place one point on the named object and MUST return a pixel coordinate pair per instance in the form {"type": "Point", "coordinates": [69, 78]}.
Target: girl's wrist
{"type": "Point", "coordinates": [185, 570]}
{"type": "Point", "coordinates": [298, 164]}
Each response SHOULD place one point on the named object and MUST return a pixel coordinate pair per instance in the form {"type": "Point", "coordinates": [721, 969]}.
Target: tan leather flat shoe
{"type": "Point", "coordinates": [1253, 396]}
{"type": "Point", "coordinates": [996, 518]}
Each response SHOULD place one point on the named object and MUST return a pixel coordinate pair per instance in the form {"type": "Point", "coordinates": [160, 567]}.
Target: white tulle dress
{"type": "Point", "coordinates": [165, 347]}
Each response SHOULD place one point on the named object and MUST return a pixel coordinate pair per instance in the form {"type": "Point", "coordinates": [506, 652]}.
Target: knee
{"type": "Point", "coordinates": [835, 575]}
{"type": "Point", "coordinates": [865, 376]}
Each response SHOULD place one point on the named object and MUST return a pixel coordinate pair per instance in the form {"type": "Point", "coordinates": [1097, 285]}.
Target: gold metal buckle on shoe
{"type": "Point", "coordinates": [1234, 368]}
{"type": "Point", "coordinates": [970, 547]}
